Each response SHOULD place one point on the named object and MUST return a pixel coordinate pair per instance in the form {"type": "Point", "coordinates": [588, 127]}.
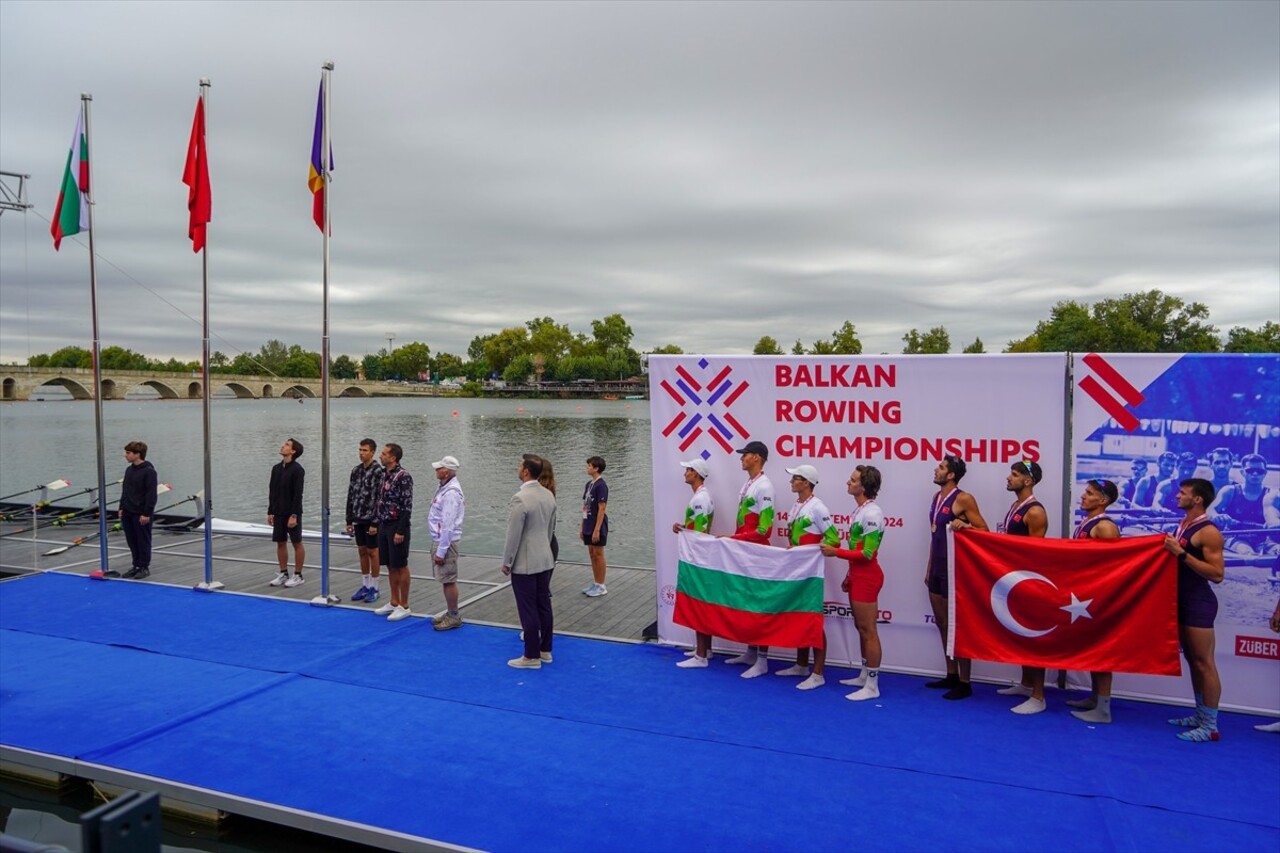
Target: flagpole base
{"type": "Point", "coordinates": [325, 600]}
{"type": "Point", "coordinates": [208, 587]}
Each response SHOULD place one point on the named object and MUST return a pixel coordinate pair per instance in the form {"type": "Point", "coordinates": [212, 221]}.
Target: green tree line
{"type": "Point", "coordinates": [543, 350]}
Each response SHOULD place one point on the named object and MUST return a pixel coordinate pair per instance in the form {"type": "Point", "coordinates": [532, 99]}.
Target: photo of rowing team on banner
{"type": "Point", "coordinates": [1133, 601]}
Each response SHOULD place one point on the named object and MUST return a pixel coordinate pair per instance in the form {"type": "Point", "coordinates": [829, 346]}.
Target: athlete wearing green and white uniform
{"type": "Point", "coordinates": [699, 512]}
{"type": "Point", "coordinates": [755, 510]}
{"type": "Point", "coordinates": [810, 524]}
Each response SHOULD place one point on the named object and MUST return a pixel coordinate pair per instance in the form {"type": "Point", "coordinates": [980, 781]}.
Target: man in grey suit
{"type": "Point", "coordinates": [527, 559]}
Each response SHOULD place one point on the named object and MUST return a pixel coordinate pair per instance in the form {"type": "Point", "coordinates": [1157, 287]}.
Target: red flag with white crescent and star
{"type": "Point", "coordinates": [1086, 604]}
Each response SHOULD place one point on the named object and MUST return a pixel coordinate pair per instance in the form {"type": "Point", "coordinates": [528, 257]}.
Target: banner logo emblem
{"type": "Point", "coordinates": [705, 400]}
{"type": "Point", "coordinates": [1104, 398]}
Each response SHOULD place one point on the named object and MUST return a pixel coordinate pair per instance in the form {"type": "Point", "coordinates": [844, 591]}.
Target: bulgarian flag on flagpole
{"type": "Point", "coordinates": [750, 593]}
{"type": "Point", "coordinates": [71, 216]}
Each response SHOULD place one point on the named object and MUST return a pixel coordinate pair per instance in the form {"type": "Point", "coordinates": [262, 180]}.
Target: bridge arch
{"type": "Point", "coordinates": [193, 391]}
{"type": "Point", "coordinates": [165, 391]}
{"type": "Point", "coordinates": [242, 391]}
{"type": "Point", "coordinates": [297, 391]}
{"type": "Point", "coordinates": [354, 391]}
{"type": "Point", "coordinates": [267, 391]}
{"type": "Point", "coordinates": [10, 388]}
{"type": "Point", "coordinates": [78, 391]}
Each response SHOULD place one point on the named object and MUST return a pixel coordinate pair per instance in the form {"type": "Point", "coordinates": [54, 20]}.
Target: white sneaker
{"type": "Point", "coordinates": [399, 613]}
{"type": "Point", "coordinates": [586, 590]}
{"type": "Point", "coordinates": [385, 609]}
{"type": "Point", "coordinates": [794, 671]}
{"type": "Point", "coordinates": [296, 580]}
{"type": "Point", "coordinates": [279, 579]}
{"type": "Point", "coordinates": [694, 662]}
{"type": "Point", "coordinates": [811, 682]}
{"type": "Point", "coordinates": [596, 590]}
{"type": "Point", "coordinates": [760, 667]}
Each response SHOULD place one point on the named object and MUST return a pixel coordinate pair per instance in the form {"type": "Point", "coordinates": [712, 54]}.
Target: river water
{"type": "Point", "coordinates": [41, 441]}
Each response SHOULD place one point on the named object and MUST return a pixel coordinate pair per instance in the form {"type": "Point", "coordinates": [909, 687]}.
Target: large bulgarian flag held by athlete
{"type": "Point", "coordinates": [750, 593]}
{"type": "Point", "coordinates": [1100, 605]}
{"type": "Point", "coordinates": [71, 216]}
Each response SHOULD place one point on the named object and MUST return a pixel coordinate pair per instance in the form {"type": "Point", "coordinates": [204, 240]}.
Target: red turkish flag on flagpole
{"type": "Point", "coordinates": [1083, 604]}
{"type": "Point", "coordinates": [196, 177]}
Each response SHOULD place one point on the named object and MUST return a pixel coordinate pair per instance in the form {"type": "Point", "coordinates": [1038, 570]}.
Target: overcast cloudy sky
{"type": "Point", "coordinates": [712, 171]}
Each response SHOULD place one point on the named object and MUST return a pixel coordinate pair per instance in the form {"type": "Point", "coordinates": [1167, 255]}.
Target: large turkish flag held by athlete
{"type": "Point", "coordinates": [1086, 604]}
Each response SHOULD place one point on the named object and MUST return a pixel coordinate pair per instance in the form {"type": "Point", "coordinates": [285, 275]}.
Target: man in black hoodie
{"type": "Point", "coordinates": [137, 504]}
{"type": "Point", "coordinates": [284, 512]}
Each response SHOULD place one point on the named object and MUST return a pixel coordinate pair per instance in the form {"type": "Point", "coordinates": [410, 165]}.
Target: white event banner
{"type": "Point", "coordinates": [1149, 421]}
{"type": "Point", "coordinates": [901, 414]}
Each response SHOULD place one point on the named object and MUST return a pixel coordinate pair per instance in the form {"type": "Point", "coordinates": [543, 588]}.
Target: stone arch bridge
{"type": "Point", "coordinates": [22, 383]}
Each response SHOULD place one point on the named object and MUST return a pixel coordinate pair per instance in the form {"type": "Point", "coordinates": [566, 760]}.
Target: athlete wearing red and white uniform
{"type": "Point", "coordinates": [754, 524]}
{"type": "Point", "coordinates": [698, 516]}
{"type": "Point", "coordinates": [808, 523]}
{"type": "Point", "coordinates": [865, 577]}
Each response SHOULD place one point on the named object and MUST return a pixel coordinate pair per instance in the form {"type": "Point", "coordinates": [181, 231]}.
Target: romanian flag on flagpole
{"type": "Point", "coordinates": [318, 177]}
{"type": "Point", "coordinates": [196, 177]}
{"type": "Point", "coordinates": [750, 593]}
{"type": "Point", "coordinates": [71, 216]}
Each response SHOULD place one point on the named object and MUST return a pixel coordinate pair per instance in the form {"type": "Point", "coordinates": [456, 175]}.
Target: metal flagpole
{"type": "Point", "coordinates": [209, 583]}
{"type": "Point", "coordinates": [325, 599]}
{"type": "Point", "coordinates": [85, 98]}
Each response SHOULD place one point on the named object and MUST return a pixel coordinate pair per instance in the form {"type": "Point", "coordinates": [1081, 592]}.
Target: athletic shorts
{"type": "Point", "coordinates": [390, 554]}
{"type": "Point", "coordinates": [280, 531]}
{"type": "Point", "coordinates": [360, 533]}
{"type": "Point", "coordinates": [865, 583]}
{"type": "Point", "coordinates": [1197, 610]}
{"type": "Point", "coordinates": [604, 538]}
{"type": "Point", "coordinates": [938, 582]}
{"type": "Point", "coordinates": [448, 572]}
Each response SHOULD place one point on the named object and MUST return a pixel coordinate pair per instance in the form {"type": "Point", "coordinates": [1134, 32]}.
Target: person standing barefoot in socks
{"type": "Point", "coordinates": [755, 524]}
{"type": "Point", "coordinates": [865, 578]}
{"type": "Point", "coordinates": [1098, 495]}
{"type": "Point", "coordinates": [1026, 517]}
{"type": "Point", "coordinates": [1198, 547]}
{"type": "Point", "coordinates": [957, 510]}
{"type": "Point", "coordinates": [698, 516]}
{"type": "Point", "coordinates": [808, 523]}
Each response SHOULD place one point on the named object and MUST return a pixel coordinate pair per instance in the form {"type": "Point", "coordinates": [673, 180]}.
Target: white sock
{"type": "Point", "coordinates": [760, 667]}
{"type": "Point", "coordinates": [859, 680]}
{"type": "Point", "coordinates": [1015, 690]}
{"type": "Point", "coordinates": [811, 682]}
{"type": "Point", "coordinates": [694, 662]}
{"type": "Point", "coordinates": [364, 581]}
{"type": "Point", "coordinates": [1269, 727]}
{"type": "Point", "coordinates": [746, 658]}
{"type": "Point", "coordinates": [870, 691]}
{"type": "Point", "coordinates": [795, 670]}
{"type": "Point", "coordinates": [1031, 706]}
{"type": "Point", "coordinates": [373, 581]}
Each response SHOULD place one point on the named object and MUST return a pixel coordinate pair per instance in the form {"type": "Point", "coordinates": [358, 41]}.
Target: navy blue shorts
{"type": "Point", "coordinates": [1197, 609]}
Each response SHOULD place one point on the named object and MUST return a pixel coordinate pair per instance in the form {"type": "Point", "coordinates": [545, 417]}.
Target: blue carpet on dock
{"type": "Point", "coordinates": [611, 748]}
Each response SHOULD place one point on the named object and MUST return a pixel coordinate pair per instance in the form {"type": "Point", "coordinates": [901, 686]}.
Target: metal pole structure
{"type": "Point", "coordinates": [209, 583]}
{"type": "Point", "coordinates": [85, 98]}
{"type": "Point", "coordinates": [324, 599]}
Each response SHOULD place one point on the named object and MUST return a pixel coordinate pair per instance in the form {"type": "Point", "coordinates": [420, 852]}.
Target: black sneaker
{"type": "Point", "coordinates": [139, 574]}
{"type": "Point", "coordinates": [132, 573]}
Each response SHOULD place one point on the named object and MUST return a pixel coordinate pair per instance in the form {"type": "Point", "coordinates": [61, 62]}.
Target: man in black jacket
{"type": "Point", "coordinates": [284, 512]}
{"type": "Point", "coordinates": [137, 505]}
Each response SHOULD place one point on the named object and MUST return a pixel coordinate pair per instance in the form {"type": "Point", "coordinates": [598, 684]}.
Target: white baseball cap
{"type": "Point", "coordinates": [450, 462]}
{"type": "Point", "coordinates": [807, 471]}
{"type": "Point", "coordinates": [699, 465]}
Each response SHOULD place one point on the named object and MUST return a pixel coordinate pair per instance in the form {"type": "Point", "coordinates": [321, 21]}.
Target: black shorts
{"type": "Point", "coordinates": [360, 533]}
{"type": "Point", "coordinates": [390, 554]}
{"type": "Point", "coordinates": [280, 531]}
{"type": "Point", "coordinates": [604, 538]}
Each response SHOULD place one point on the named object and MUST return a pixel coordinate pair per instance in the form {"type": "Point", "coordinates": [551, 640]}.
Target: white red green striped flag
{"type": "Point", "coordinates": [750, 593]}
{"type": "Point", "coordinates": [71, 216]}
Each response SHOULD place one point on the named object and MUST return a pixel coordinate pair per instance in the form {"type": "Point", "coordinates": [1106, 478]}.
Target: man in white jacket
{"type": "Point", "coordinates": [445, 523]}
